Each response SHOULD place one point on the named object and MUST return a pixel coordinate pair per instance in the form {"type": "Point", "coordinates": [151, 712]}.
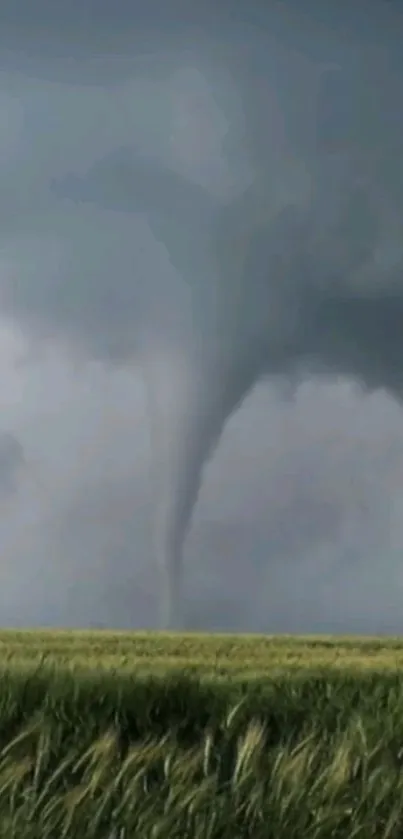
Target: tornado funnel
{"type": "Point", "coordinates": [189, 401]}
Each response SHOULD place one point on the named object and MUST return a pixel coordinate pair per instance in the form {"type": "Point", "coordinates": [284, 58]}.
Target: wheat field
{"type": "Point", "coordinates": [202, 654]}
{"type": "Point", "coordinates": [151, 736]}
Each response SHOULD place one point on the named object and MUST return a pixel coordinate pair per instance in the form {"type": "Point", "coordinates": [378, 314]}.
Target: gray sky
{"type": "Point", "coordinates": [299, 522]}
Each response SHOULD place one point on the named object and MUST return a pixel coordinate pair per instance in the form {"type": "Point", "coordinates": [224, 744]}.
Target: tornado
{"type": "Point", "coordinates": [194, 385]}
{"type": "Point", "coordinates": [189, 401]}
{"type": "Point", "coordinates": [186, 414]}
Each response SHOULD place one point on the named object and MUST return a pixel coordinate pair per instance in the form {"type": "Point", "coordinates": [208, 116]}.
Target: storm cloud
{"type": "Point", "coordinates": [222, 207]}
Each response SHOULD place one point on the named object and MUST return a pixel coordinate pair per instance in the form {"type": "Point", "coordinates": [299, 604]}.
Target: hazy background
{"type": "Point", "coordinates": [299, 526]}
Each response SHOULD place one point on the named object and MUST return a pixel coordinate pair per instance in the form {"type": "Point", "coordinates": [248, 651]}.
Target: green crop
{"type": "Point", "coordinates": [125, 736]}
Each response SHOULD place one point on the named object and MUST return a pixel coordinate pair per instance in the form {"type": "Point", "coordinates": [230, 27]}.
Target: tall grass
{"type": "Point", "coordinates": [102, 755]}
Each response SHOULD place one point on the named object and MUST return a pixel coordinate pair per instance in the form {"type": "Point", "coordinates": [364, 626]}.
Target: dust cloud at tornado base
{"type": "Point", "coordinates": [247, 227]}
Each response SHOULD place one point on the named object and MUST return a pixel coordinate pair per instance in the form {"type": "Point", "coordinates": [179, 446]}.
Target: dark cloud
{"type": "Point", "coordinates": [305, 276]}
{"type": "Point", "coordinates": [222, 205]}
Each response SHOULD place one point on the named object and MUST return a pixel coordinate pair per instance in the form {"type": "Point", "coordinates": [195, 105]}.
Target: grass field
{"type": "Point", "coordinates": [146, 736]}
{"type": "Point", "coordinates": [204, 655]}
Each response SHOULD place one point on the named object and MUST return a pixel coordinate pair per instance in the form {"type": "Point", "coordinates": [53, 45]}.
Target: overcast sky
{"type": "Point", "coordinates": [299, 526]}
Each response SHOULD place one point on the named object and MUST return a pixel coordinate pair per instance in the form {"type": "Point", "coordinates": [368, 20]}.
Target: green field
{"type": "Point", "coordinates": [205, 655]}
{"type": "Point", "coordinates": [147, 736]}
